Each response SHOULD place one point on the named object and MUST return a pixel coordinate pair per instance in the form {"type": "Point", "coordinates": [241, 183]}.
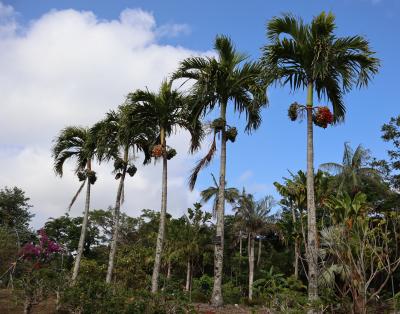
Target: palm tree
{"type": "Point", "coordinates": [118, 135]}
{"type": "Point", "coordinates": [293, 199]}
{"type": "Point", "coordinates": [311, 56]}
{"type": "Point", "coordinates": [77, 142]}
{"type": "Point", "coordinates": [352, 170]}
{"type": "Point", "coordinates": [166, 111]}
{"type": "Point", "coordinates": [217, 81]}
{"type": "Point", "coordinates": [231, 195]}
{"type": "Point", "coordinates": [252, 216]}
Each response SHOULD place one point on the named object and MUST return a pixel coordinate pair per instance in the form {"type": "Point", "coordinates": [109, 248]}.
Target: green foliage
{"type": "Point", "coordinates": [284, 294]}
{"type": "Point", "coordinates": [231, 293]}
{"type": "Point", "coordinates": [91, 296]}
{"type": "Point", "coordinates": [14, 210]}
{"type": "Point", "coordinates": [202, 288]}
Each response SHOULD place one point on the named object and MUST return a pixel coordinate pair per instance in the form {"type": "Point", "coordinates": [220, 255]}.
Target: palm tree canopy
{"type": "Point", "coordinates": [167, 109]}
{"type": "Point", "coordinates": [252, 215]}
{"type": "Point", "coordinates": [226, 78]}
{"type": "Point", "coordinates": [119, 130]}
{"type": "Point", "coordinates": [73, 142]}
{"type": "Point", "coordinates": [231, 194]}
{"type": "Point", "coordinates": [301, 53]}
{"type": "Point", "coordinates": [294, 189]}
{"type": "Point", "coordinates": [353, 167]}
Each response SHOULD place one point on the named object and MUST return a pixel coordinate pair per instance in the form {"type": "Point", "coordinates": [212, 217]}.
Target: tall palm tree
{"type": "Point", "coordinates": [253, 218]}
{"type": "Point", "coordinates": [311, 56]}
{"type": "Point", "coordinates": [352, 169]}
{"type": "Point", "coordinates": [293, 199]}
{"type": "Point", "coordinates": [218, 81]}
{"type": "Point", "coordinates": [166, 111]}
{"type": "Point", "coordinates": [119, 138]}
{"type": "Point", "coordinates": [78, 143]}
{"type": "Point", "coordinates": [231, 195]}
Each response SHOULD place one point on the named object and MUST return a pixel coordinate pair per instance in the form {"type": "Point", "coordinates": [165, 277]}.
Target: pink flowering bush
{"type": "Point", "coordinates": [41, 252]}
{"type": "Point", "coordinates": [38, 275]}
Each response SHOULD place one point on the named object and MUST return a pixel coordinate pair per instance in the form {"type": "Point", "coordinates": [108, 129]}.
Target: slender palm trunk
{"type": "Point", "coordinates": [296, 257]}
{"type": "Point", "coordinates": [251, 265]}
{"type": "Point", "coordinates": [169, 270]}
{"type": "Point", "coordinates": [240, 244]}
{"type": "Point", "coordinates": [296, 244]}
{"type": "Point", "coordinates": [161, 229]}
{"type": "Point", "coordinates": [84, 227]}
{"type": "Point", "coordinates": [216, 298]}
{"type": "Point", "coordinates": [312, 256]}
{"type": "Point", "coordinates": [259, 252]}
{"type": "Point", "coordinates": [114, 240]}
{"type": "Point", "coordinates": [188, 275]}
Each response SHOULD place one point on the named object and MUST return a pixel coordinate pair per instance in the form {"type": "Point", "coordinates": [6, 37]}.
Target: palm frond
{"type": "Point", "coordinates": [202, 163]}
{"type": "Point", "coordinates": [76, 194]}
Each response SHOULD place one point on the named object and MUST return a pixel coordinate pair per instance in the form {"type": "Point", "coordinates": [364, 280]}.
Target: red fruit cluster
{"type": "Point", "coordinates": [157, 151]}
{"type": "Point", "coordinates": [323, 117]}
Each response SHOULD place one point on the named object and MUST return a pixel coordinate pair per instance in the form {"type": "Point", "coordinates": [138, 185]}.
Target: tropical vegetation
{"type": "Point", "coordinates": [328, 242]}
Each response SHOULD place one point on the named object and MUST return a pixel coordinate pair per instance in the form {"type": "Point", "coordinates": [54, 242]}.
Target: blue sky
{"type": "Point", "coordinates": [279, 144]}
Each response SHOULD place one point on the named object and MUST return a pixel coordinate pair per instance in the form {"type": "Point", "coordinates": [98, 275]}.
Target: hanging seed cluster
{"type": "Point", "coordinates": [218, 124]}
{"type": "Point", "coordinates": [323, 117]}
{"type": "Point", "coordinates": [171, 153]}
{"type": "Point", "coordinates": [293, 111]}
{"type": "Point", "coordinates": [91, 175]}
{"type": "Point", "coordinates": [131, 170]}
{"type": "Point", "coordinates": [231, 134]}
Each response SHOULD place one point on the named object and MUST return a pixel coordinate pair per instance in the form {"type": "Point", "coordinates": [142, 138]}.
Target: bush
{"type": "Point", "coordinates": [286, 295]}
{"type": "Point", "coordinates": [202, 289]}
{"type": "Point", "coordinates": [98, 297]}
{"type": "Point", "coordinates": [231, 293]}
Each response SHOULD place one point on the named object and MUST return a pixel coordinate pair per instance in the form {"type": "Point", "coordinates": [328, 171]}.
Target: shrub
{"type": "Point", "coordinates": [202, 289]}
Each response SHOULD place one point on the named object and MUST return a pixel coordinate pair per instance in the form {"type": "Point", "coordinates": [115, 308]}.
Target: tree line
{"type": "Point", "coordinates": [340, 222]}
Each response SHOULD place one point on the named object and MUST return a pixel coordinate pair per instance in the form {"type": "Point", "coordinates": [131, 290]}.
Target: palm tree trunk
{"type": "Point", "coordinates": [312, 256]}
{"type": "Point", "coordinates": [296, 244]}
{"type": "Point", "coordinates": [84, 227]}
{"type": "Point", "coordinates": [251, 265]}
{"type": "Point", "coordinates": [188, 275]}
{"type": "Point", "coordinates": [114, 240]}
{"type": "Point", "coordinates": [169, 270]}
{"type": "Point", "coordinates": [161, 229]}
{"type": "Point", "coordinates": [259, 252]}
{"type": "Point", "coordinates": [216, 298]}
{"type": "Point", "coordinates": [240, 244]}
{"type": "Point", "coordinates": [296, 258]}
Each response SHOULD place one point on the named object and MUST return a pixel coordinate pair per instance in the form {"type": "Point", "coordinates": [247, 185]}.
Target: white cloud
{"type": "Point", "coordinates": [245, 176]}
{"type": "Point", "coordinates": [70, 67]}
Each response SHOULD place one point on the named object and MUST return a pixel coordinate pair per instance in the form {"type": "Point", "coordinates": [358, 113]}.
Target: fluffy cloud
{"type": "Point", "coordinates": [70, 67]}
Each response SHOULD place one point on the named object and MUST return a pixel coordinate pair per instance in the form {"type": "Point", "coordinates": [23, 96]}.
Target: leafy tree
{"type": "Point", "coordinates": [194, 230]}
{"type": "Point", "coordinates": [66, 230]}
{"type": "Point", "coordinates": [360, 248]}
{"type": "Point", "coordinates": [166, 110]}
{"type": "Point", "coordinates": [14, 208]}
{"type": "Point", "coordinates": [311, 56]}
{"type": "Point", "coordinates": [253, 217]}
{"type": "Point", "coordinates": [352, 169]}
{"type": "Point", "coordinates": [391, 133]}
{"type": "Point", "coordinates": [117, 135]}
{"type": "Point", "coordinates": [78, 143]}
{"type": "Point", "coordinates": [231, 195]}
{"type": "Point", "coordinates": [217, 81]}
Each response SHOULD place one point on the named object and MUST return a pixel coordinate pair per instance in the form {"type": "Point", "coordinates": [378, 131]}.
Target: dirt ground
{"type": "Point", "coordinates": [228, 309]}
{"type": "Point", "coordinates": [9, 305]}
